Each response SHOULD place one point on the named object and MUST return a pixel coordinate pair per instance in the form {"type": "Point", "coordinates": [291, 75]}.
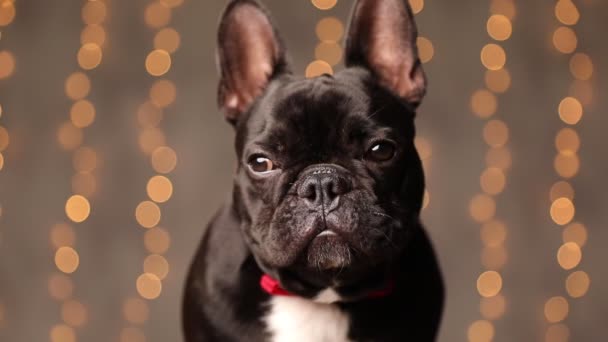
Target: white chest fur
{"type": "Point", "coordinates": [294, 319]}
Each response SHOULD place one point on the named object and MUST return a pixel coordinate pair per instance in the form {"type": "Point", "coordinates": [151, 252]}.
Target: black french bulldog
{"type": "Point", "coordinates": [321, 239]}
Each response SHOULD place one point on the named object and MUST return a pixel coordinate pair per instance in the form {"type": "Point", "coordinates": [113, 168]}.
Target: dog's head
{"type": "Point", "coordinates": [328, 183]}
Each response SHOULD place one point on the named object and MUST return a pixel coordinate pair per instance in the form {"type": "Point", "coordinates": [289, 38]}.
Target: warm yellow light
{"type": "Point", "coordinates": [1, 161]}
{"type": "Point", "coordinates": [85, 160]}
{"type": "Point", "coordinates": [66, 259]}
{"type": "Point", "coordinates": [556, 309]}
{"type": "Point", "coordinates": [159, 189]}
{"type": "Point", "coordinates": [318, 68]}
{"type": "Point", "coordinates": [82, 113]}
{"type": "Point", "coordinates": [583, 91]}
{"type": "Point", "coordinates": [94, 12]}
{"type": "Point", "coordinates": [489, 284]}
{"type": "Point", "coordinates": [493, 308]}
{"type": "Point", "coordinates": [84, 183]}
{"type": "Point", "coordinates": [148, 115]}
{"type": "Point", "coordinates": [89, 56]}
{"type": "Point", "coordinates": [569, 255]}
{"type": "Point", "coordinates": [577, 284]}
{"type": "Point", "coordinates": [561, 189]}
{"type": "Point", "coordinates": [149, 286]}
{"type": "Point", "coordinates": [498, 81]}
{"type": "Point", "coordinates": [7, 13]}
{"type": "Point", "coordinates": [157, 265]}
{"type": "Point", "coordinates": [564, 40]}
{"type": "Point", "coordinates": [581, 66]}
{"type": "Point", "coordinates": [330, 52]}
{"type": "Point", "coordinates": [94, 34]}
{"type": "Point", "coordinates": [499, 27]}
{"type": "Point", "coordinates": [567, 141]}
{"type": "Point", "coordinates": [74, 313]}
{"type": "Point", "coordinates": [492, 181]}
{"type": "Point", "coordinates": [481, 331]}
{"type": "Point", "coordinates": [60, 287]}
{"type": "Point", "coordinates": [482, 208]}
{"type": "Point", "coordinates": [324, 4]}
{"type": "Point", "coordinates": [7, 64]}
{"type": "Point", "coordinates": [330, 29]}
{"type": "Point", "coordinates": [147, 214]}
{"type": "Point", "coordinates": [77, 86]}
{"type": "Point", "coordinates": [570, 110]}
{"type": "Point", "coordinates": [62, 333]}
{"type": "Point", "coordinates": [172, 3]}
{"type": "Point", "coordinates": [496, 133]}
{"type": "Point", "coordinates": [69, 136]}
{"type": "Point", "coordinates": [562, 211]}
{"type": "Point", "coordinates": [493, 233]}
{"type": "Point", "coordinates": [4, 139]}
{"type": "Point", "coordinates": [504, 7]}
{"type": "Point", "coordinates": [499, 158]}
{"type": "Point", "coordinates": [493, 57]}
{"type": "Point", "coordinates": [62, 235]}
{"type": "Point", "coordinates": [164, 159]}
{"type": "Point", "coordinates": [417, 5]}
{"type": "Point", "coordinates": [167, 39]}
{"type": "Point", "coordinates": [163, 93]}
{"type": "Point", "coordinates": [150, 139]}
{"type": "Point", "coordinates": [157, 15]}
{"type": "Point", "coordinates": [483, 103]}
{"type": "Point", "coordinates": [135, 310]}
{"type": "Point", "coordinates": [494, 258]}
{"type": "Point", "coordinates": [576, 233]}
{"type": "Point", "coordinates": [426, 50]}
{"type": "Point", "coordinates": [158, 62]}
{"type": "Point", "coordinates": [157, 240]}
{"type": "Point", "coordinates": [557, 333]}
{"type": "Point", "coordinates": [566, 12]}
{"type": "Point", "coordinates": [77, 208]}
{"type": "Point", "coordinates": [132, 334]}
{"type": "Point", "coordinates": [566, 166]}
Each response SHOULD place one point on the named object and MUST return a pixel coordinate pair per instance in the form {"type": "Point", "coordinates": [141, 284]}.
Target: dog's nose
{"type": "Point", "coordinates": [322, 186]}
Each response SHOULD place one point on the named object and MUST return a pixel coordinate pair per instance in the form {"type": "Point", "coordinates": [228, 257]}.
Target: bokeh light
{"type": "Point", "coordinates": [150, 139]}
{"type": "Point", "coordinates": [89, 56]}
{"type": "Point", "coordinates": [163, 93]}
{"type": "Point", "coordinates": [85, 159]}
{"type": "Point", "coordinates": [562, 211]}
{"type": "Point", "coordinates": [82, 113]}
{"type": "Point", "coordinates": [4, 139]}
{"type": "Point", "coordinates": [330, 29]}
{"type": "Point", "coordinates": [570, 110]}
{"type": "Point", "coordinates": [499, 27]}
{"type": "Point", "coordinates": [494, 233]}
{"type": "Point", "coordinates": [62, 235]}
{"type": "Point", "coordinates": [504, 7]}
{"type": "Point", "coordinates": [566, 12]}
{"type": "Point", "coordinates": [69, 136]}
{"type": "Point", "coordinates": [74, 313]}
{"type": "Point", "coordinates": [417, 5]}
{"type": "Point", "coordinates": [426, 50]}
{"type": "Point", "coordinates": [561, 189]}
{"type": "Point", "coordinates": [7, 64]}
{"type": "Point", "coordinates": [94, 12]}
{"type": "Point", "coordinates": [499, 158]}
{"type": "Point", "coordinates": [482, 208]}
{"type": "Point", "coordinates": [149, 115]}
{"type": "Point", "coordinates": [556, 309]}
{"type": "Point", "coordinates": [329, 52]}
{"type": "Point", "coordinates": [567, 141]}
{"type": "Point", "coordinates": [569, 255]}
{"type": "Point", "coordinates": [66, 259]}
{"type": "Point", "coordinates": [60, 287]}
{"type": "Point", "coordinates": [84, 183]}
{"type": "Point", "coordinates": [318, 68]}
{"type": "Point", "coordinates": [158, 62]}
{"type": "Point", "coordinates": [157, 240]}
{"type": "Point", "coordinates": [159, 189]}
{"type": "Point", "coordinates": [493, 308]}
{"type": "Point", "coordinates": [135, 310]}
{"type": "Point", "coordinates": [324, 4]}
{"type": "Point", "coordinates": [157, 265]}
{"type": "Point", "coordinates": [581, 66]}
{"type": "Point", "coordinates": [93, 34]}
{"type": "Point", "coordinates": [62, 333]}
{"type": "Point", "coordinates": [493, 57]}
{"type": "Point", "coordinates": [566, 165]}
{"type": "Point", "coordinates": [77, 208]}
{"type": "Point", "coordinates": [494, 258]}
{"type": "Point", "coordinates": [167, 39]}
{"type": "Point", "coordinates": [496, 133]}
{"type": "Point", "coordinates": [147, 214]}
{"type": "Point", "coordinates": [564, 40]}
{"type": "Point", "coordinates": [164, 159]}
{"type": "Point", "coordinates": [576, 233]}
{"type": "Point", "coordinates": [483, 103]}
{"type": "Point", "coordinates": [489, 284]}
{"type": "Point", "coordinates": [577, 284]}
{"type": "Point", "coordinates": [157, 15]}
{"type": "Point", "coordinates": [481, 331]}
{"type": "Point", "coordinates": [498, 81]}
{"type": "Point", "coordinates": [77, 86]}
{"type": "Point", "coordinates": [149, 286]}
{"type": "Point", "coordinates": [7, 12]}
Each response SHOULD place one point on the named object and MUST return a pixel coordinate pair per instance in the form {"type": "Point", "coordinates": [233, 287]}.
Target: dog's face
{"type": "Point", "coordinates": [328, 183]}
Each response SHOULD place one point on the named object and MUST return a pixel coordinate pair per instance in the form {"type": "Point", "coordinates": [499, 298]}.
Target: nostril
{"type": "Point", "coordinates": [309, 191]}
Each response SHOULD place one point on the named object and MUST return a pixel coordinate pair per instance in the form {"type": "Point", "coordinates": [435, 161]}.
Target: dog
{"type": "Point", "coordinates": [321, 239]}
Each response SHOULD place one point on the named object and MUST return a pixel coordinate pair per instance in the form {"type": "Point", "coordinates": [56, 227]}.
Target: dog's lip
{"type": "Point", "coordinates": [327, 232]}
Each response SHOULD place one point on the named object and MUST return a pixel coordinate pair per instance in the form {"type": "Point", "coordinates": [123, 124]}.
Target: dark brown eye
{"type": "Point", "coordinates": [260, 164]}
{"type": "Point", "coordinates": [381, 151]}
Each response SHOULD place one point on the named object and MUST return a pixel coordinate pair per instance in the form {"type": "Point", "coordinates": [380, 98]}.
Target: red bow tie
{"type": "Point", "coordinates": [273, 288]}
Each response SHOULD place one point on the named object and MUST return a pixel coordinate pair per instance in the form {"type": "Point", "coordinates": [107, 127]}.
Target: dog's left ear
{"type": "Point", "coordinates": [250, 54]}
{"type": "Point", "coordinates": [382, 38]}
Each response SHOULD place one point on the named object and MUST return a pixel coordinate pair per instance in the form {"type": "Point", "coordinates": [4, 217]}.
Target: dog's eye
{"type": "Point", "coordinates": [381, 151]}
{"type": "Point", "coordinates": [260, 164]}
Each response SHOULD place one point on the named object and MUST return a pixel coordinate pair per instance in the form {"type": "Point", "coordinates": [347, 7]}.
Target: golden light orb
{"type": "Point", "coordinates": [566, 12]}
{"type": "Point", "coordinates": [5, 139]}
{"type": "Point", "coordinates": [7, 12]}
{"type": "Point", "coordinates": [157, 265]}
{"type": "Point", "coordinates": [147, 214]}
{"type": "Point", "coordinates": [482, 208]}
{"type": "Point", "coordinates": [159, 189]}
{"type": "Point", "coordinates": [62, 333]}
{"type": "Point", "coordinates": [570, 110]}
{"type": "Point", "coordinates": [494, 233]}
{"type": "Point", "coordinates": [66, 259]}
{"type": "Point", "coordinates": [492, 181]}
{"type": "Point", "coordinates": [93, 34]}
{"type": "Point", "coordinates": [150, 139]}
{"type": "Point", "coordinates": [581, 66]}
{"type": "Point", "coordinates": [493, 57]}
{"type": "Point", "coordinates": [85, 160]}
{"type": "Point", "coordinates": [62, 235]}
{"type": "Point", "coordinates": [499, 158]}
{"type": "Point", "coordinates": [493, 308]}
{"type": "Point", "coordinates": [499, 27]}
{"type": "Point", "coordinates": [481, 331]}
{"type": "Point", "coordinates": [94, 12]}
{"type": "Point", "coordinates": [318, 68]}
{"type": "Point", "coordinates": [330, 52]}
{"type": "Point", "coordinates": [149, 286]}
{"type": "Point", "coordinates": [157, 240]}
{"type": "Point", "coordinates": [489, 284]}
{"type": "Point", "coordinates": [60, 287]}
{"type": "Point", "coordinates": [164, 159]}
{"type": "Point", "coordinates": [567, 141]}
{"type": "Point", "coordinates": [416, 5]}
{"type": "Point", "coordinates": [89, 56]}
{"type": "Point", "coordinates": [158, 62]}
{"type": "Point", "coordinates": [69, 136]}
{"type": "Point", "coordinates": [330, 29]}
{"type": "Point", "coordinates": [167, 39]}
{"type": "Point", "coordinates": [483, 103]}
{"type": "Point", "coordinates": [426, 50]}
{"type": "Point", "coordinates": [576, 233]}
{"type": "Point", "coordinates": [562, 211]}
{"type": "Point", "coordinates": [569, 255]}
{"type": "Point", "coordinates": [561, 189]}
{"type": "Point", "coordinates": [324, 4]}
{"type": "Point", "coordinates": [77, 208]}
{"type": "Point", "coordinates": [77, 86]}
{"type": "Point", "coordinates": [565, 40]}
{"type": "Point", "coordinates": [556, 309]}
{"type": "Point", "coordinates": [566, 165]}
{"type": "Point", "coordinates": [157, 15]}
{"type": "Point", "coordinates": [504, 7]}
{"type": "Point", "coordinates": [496, 133]}
{"type": "Point", "coordinates": [163, 93]}
{"type": "Point", "coordinates": [7, 64]}
{"type": "Point", "coordinates": [498, 81]}
{"type": "Point", "coordinates": [74, 313]}
{"type": "Point", "coordinates": [577, 284]}
{"type": "Point", "coordinates": [82, 113]}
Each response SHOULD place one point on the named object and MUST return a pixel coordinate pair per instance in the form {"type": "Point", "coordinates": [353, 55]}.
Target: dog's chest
{"type": "Point", "coordinates": [292, 319]}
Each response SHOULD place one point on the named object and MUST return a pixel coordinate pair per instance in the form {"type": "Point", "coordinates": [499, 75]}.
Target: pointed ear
{"type": "Point", "coordinates": [382, 38]}
{"type": "Point", "coordinates": [250, 54]}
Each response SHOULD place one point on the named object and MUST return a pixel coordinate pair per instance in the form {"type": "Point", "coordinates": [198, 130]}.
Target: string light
{"type": "Point", "coordinates": [163, 160]}
{"type": "Point", "coordinates": [562, 195]}
{"type": "Point", "coordinates": [483, 206]}
{"type": "Point", "coordinates": [70, 137]}
{"type": "Point", "coordinates": [7, 69]}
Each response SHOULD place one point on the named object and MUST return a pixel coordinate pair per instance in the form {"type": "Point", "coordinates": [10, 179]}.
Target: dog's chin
{"type": "Point", "coordinates": [328, 253]}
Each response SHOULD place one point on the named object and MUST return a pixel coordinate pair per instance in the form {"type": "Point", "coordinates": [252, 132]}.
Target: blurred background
{"type": "Point", "coordinates": [113, 156]}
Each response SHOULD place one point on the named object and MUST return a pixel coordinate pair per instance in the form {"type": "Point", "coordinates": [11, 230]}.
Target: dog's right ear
{"type": "Point", "coordinates": [250, 55]}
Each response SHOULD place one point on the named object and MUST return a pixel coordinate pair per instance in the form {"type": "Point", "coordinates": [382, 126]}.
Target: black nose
{"type": "Point", "coordinates": [322, 186]}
